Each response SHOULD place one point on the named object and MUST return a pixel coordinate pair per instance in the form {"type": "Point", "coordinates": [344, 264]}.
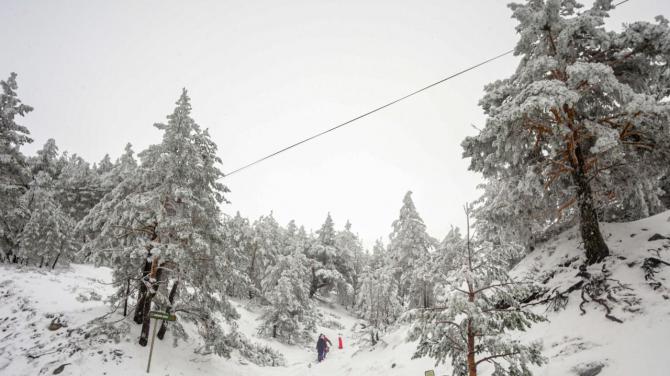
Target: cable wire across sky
{"type": "Point", "coordinates": [391, 103]}
{"type": "Point", "coordinates": [415, 92]}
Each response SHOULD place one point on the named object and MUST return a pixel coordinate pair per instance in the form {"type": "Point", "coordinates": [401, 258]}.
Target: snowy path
{"type": "Point", "coordinates": [31, 298]}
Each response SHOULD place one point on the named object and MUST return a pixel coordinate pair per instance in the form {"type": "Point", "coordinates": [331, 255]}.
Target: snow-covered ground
{"type": "Point", "coordinates": [31, 298]}
{"type": "Point", "coordinates": [574, 342]}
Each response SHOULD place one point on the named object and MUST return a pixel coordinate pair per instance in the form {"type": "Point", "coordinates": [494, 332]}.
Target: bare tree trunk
{"type": "Point", "coordinates": [313, 285]}
{"type": "Point", "coordinates": [55, 261]}
{"type": "Point", "coordinates": [171, 297]}
{"type": "Point", "coordinates": [154, 276]}
{"type": "Point", "coordinates": [472, 365]}
{"type": "Point", "coordinates": [142, 289]}
{"type": "Point", "coordinates": [594, 244]}
{"type": "Point", "coordinates": [252, 268]}
{"type": "Point", "coordinates": [125, 301]}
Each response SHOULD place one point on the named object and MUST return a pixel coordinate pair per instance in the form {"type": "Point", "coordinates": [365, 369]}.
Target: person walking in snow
{"type": "Point", "coordinates": [327, 344]}
{"type": "Point", "coordinates": [321, 347]}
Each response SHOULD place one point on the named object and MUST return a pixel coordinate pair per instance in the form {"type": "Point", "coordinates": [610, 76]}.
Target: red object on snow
{"type": "Point", "coordinates": [339, 342]}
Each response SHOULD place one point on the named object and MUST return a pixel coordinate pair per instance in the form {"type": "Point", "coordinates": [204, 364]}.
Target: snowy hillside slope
{"type": "Point", "coordinates": [574, 343]}
{"type": "Point", "coordinates": [586, 344]}
{"type": "Point", "coordinates": [639, 297]}
{"type": "Point", "coordinates": [32, 298]}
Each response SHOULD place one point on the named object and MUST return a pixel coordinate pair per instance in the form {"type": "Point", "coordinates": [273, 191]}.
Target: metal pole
{"type": "Point", "coordinates": [151, 348]}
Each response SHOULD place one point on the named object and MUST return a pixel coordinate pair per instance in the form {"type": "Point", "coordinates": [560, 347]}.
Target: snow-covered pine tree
{"type": "Point", "coordinates": [377, 299]}
{"type": "Point", "coordinates": [265, 245]}
{"type": "Point", "coordinates": [105, 165]}
{"type": "Point", "coordinates": [479, 303]}
{"type": "Point", "coordinates": [14, 175]}
{"type": "Point", "coordinates": [409, 247]}
{"type": "Point", "coordinates": [124, 168]}
{"type": "Point", "coordinates": [378, 302]}
{"type": "Point", "coordinates": [113, 174]}
{"type": "Point", "coordinates": [46, 160]}
{"type": "Point", "coordinates": [290, 315]}
{"type": "Point", "coordinates": [238, 238]}
{"type": "Point", "coordinates": [507, 214]}
{"type": "Point", "coordinates": [78, 187]}
{"type": "Point", "coordinates": [165, 219]}
{"type": "Point", "coordinates": [349, 261]}
{"type": "Point", "coordinates": [322, 254]}
{"type": "Point", "coordinates": [360, 261]}
{"type": "Point", "coordinates": [47, 237]}
{"type": "Point", "coordinates": [379, 255]}
{"type": "Point", "coordinates": [581, 121]}
{"type": "Point", "coordinates": [444, 258]}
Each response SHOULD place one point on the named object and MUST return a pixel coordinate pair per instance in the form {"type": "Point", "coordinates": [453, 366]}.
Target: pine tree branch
{"type": "Point", "coordinates": [449, 322]}
{"type": "Point", "coordinates": [500, 285]}
{"type": "Point", "coordinates": [456, 344]}
{"type": "Point", "coordinates": [489, 358]}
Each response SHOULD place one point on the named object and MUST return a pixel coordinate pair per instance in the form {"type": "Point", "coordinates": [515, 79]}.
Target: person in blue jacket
{"type": "Point", "coordinates": [321, 347]}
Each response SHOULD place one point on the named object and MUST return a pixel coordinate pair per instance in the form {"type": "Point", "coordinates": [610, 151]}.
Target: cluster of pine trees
{"type": "Point", "coordinates": [156, 221]}
{"type": "Point", "coordinates": [43, 197]}
{"type": "Point", "coordinates": [578, 134]}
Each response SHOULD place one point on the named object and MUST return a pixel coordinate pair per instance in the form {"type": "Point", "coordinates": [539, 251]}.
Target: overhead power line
{"type": "Point", "coordinates": [380, 108]}
{"type": "Point", "coordinates": [369, 112]}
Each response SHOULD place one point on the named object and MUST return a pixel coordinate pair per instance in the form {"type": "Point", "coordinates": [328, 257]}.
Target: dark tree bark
{"type": "Point", "coordinates": [171, 297]}
{"type": "Point", "coordinates": [55, 261]}
{"type": "Point", "coordinates": [125, 301]}
{"type": "Point", "coordinates": [594, 244]}
{"type": "Point", "coordinates": [142, 289]}
{"type": "Point", "coordinates": [313, 284]}
{"type": "Point", "coordinates": [154, 277]}
{"type": "Point", "coordinates": [252, 269]}
{"type": "Point", "coordinates": [472, 365]}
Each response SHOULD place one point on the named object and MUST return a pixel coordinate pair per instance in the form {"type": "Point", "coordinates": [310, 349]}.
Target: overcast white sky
{"type": "Point", "coordinates": [263, 74]}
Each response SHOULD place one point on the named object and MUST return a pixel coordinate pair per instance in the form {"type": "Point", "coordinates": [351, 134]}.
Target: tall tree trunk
{"type": "Point", "coordinates": [314, 284]}
{"type": "Point", "coordinates": [125, 301]}
{"type": "Point", "coordinates": [142, 289]}
{"type": "Point", "coordinates": [55, 261]}
{"type": "Point", "coordinates": [472, 365]}
{"type": "Point", "coordinates": [171, 297]}
{"type": "Point", "coordinates": [594, 244]}
{"type": "Point", "coordinates": [252, 269]}
{"type": "Point", "coordinates": [154, 277]}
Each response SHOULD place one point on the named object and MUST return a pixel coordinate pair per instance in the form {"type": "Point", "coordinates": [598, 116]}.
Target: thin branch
{"type": "Point", "coordinates": [497, 356]}
{"type": "Point", "coordinates": [501, 285]}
